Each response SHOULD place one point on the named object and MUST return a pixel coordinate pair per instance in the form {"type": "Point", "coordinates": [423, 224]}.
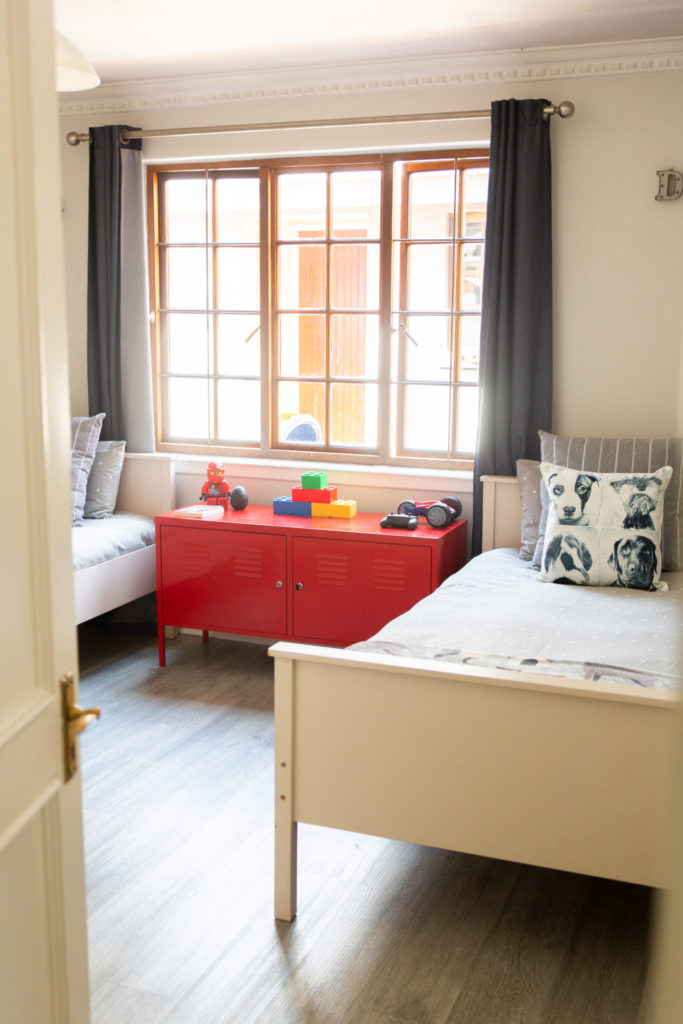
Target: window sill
{"type": "Point", "coordinates": [341, 473]}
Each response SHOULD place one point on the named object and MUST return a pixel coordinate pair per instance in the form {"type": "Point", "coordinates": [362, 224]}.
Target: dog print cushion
{"type": "Point", "coordinates": [621, 455]}
{"type": "Point", "coordinates": [604, 529]}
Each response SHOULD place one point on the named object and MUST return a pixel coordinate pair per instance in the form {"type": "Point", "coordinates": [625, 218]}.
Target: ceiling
{"type": "Point", "coordinates": [150, 39]}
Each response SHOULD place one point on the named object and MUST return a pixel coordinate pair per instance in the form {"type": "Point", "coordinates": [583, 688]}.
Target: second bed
{"type": "Point", "coordinates": [501, 716]}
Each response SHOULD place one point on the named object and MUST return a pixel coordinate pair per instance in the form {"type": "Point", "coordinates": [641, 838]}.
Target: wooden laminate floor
{"type": "Point", "coordinates": [177, 779]}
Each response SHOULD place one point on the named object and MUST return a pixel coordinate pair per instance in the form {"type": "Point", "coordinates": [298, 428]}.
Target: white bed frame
{"type": "Point", "coordinates": [147, 487]}
{"type": "Point", "coordinates": [554, 772]}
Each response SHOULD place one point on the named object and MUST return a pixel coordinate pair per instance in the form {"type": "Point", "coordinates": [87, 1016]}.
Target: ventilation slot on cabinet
{"type": "Point", "coordinates": [332, 570]}
{"type": "Point", "coordinates": [388, 574]}
{"type": "Point", "coordinates": [249, 563]}
{"type": "Point", "coordinates": [197, 558]}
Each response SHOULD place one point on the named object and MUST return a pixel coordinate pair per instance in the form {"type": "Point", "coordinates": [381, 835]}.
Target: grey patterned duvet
{"type": "Point", "coordinates": [495, 613]}
{"type": "Point", "coordinates": [99, 540]}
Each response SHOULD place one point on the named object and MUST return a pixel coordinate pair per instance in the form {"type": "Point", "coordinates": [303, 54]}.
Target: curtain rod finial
{"type": "Point", "coordinates": [565, 109]}
{"type": "Point", "coordinates": [73, 138]}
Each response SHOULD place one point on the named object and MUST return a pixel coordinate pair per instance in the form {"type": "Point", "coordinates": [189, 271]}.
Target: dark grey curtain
{"type": "Point", "coordinates": [119, 359]}
{"type": "Point", "coordinates": [516, 374]}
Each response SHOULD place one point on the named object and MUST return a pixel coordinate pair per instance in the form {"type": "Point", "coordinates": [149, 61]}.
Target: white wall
{"type": "Point", "coordinates": [617, 253]}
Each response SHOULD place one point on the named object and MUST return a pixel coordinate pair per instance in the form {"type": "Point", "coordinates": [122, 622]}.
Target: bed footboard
{"type": "Point", "coordinates": [540, 770]}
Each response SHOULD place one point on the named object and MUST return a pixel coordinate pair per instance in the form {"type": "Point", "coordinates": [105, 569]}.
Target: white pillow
{"type": "Point", "coordinates": [604, 529]}
{"type": "Point", "coordinates": [103, 482]}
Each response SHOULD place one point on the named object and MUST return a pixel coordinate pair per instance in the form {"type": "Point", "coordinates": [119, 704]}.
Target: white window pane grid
{"type": "Point", "coordinates": [238, 350]}
{"type": "Point", "coordinates": [238, 210]}
{"type": "Point", "coordinates": [327, 270]}
{"type": "Point", "coordinates": [302, 205]}
{"type": "Point", "coordinates": [353, 415]}
{"type": "Point", "coordinates": [328, 310]}
{"type": "Point", "coordinates": [238, 405]}
{"type": "Point", "coordinates": [302, 344]}
{"type": "Point", "coordinates": [429, 412]}
{"type": "Point", "coordinates": [187, 277]}
{"type": "Point", "coordinates": [210, 361]}
{"type": "Point", "coordinates": [188, 409]}
{"type": "Point", "coordinates": [355, 203]}
{"type": "Point", "coordinates": [437, 290]}
{"type": "Point", "coordinates": [301, 408]}
{"type": "Point", "coordinates": [187, 343]}
{"type": "Point", "coordinates": [299, 263]}
{"type": "Point", "coordinates": [188, 209]}
{"type": "Point", "coordinates": [426, 418]}
{"type": "Point", "coordinates": [431, 203]}
{"type": "Point", "coordinates": [354, 276]}
{"type": "Point", "coordinates": [238, 278]}
{"type": "Point", "coordinates": [354, 346]}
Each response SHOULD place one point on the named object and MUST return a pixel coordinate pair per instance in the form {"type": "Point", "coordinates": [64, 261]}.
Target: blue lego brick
{"type": "Point", "coordinates": [286, 507]}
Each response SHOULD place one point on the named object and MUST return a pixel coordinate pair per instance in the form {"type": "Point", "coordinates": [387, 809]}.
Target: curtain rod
{"type": "Point", "coordinates": [564, 109]}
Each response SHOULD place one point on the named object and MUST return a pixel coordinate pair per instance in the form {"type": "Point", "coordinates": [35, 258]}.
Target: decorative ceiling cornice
{"type": "Point", "coordinates": [494, 68]}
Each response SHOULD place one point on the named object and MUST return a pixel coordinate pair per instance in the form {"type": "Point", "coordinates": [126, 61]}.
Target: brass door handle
{"type": "Point", "coordinates": [74, 720]}
{"type": "Point", "coordinates": [80, 718]}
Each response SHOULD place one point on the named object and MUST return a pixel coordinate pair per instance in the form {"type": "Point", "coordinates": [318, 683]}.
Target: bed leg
{"type": "Point", "coordinates": [285, 823]}
{"type": "Point", "coordinates": [285, 870]}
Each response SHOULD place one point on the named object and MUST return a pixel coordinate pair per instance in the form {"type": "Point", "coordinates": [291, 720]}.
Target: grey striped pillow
{"type": "Point", "coordinates": [85, 433]}
{"type": "Point", "coordinates": [621, 455]}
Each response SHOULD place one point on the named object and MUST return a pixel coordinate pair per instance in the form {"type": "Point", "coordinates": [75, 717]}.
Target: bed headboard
{"type": "Point", "coordinates": [501, 513]}
{"type": "Point", "coordinates": [147, 484]}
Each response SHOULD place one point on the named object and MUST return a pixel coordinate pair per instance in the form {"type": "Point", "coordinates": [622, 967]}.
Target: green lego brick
{"type": "Point", "coordinates": [314, 481]}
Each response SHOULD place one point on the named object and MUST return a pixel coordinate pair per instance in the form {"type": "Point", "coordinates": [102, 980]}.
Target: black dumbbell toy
{"type": "Point", "coordinates": [398, 520]}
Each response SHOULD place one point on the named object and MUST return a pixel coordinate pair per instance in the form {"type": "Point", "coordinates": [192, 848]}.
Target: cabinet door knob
{"type": "Point", "coordinates": [279, 584]}
{"type": "Point", "coordinates": [299, 586]}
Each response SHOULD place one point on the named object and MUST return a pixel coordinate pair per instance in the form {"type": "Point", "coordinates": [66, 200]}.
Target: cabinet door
{"type": "Point", "coordinates": [226, 580]}
{"type": "Point", "coordinates": [348, 590]}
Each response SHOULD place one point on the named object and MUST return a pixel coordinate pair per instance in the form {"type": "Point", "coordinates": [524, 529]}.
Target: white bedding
{"type": "Point", "coordinates": [99, 540]}
{"type": "Point", "coordinates": [495, 613]}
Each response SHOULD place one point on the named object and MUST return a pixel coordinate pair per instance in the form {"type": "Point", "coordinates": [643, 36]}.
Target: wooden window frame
{"type": "Point", "coordinates": [329, 240]}
{"type": "Point", "coordinates": [459, 163]}
{"type": "Point", "coordinates": [388, 451]}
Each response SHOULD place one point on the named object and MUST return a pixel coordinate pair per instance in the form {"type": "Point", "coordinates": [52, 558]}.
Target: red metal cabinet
{"type": "Point", "coordinates": [349, 590]}
{"type": "Point", "coordinates": [330, 581]}
{"type": "Point", "coordinates": [212, 578]}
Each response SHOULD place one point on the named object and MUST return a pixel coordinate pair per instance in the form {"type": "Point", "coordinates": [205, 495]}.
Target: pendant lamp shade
{"type": "Point", "coordinates": [73, 71]}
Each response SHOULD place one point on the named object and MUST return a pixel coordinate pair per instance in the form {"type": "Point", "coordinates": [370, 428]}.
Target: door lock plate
{"type": "Point", "coordinates": [74, 720]}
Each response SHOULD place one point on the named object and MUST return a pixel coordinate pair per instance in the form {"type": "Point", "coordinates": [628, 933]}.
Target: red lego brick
{"type": "Point", "coordinates": [324, 494]}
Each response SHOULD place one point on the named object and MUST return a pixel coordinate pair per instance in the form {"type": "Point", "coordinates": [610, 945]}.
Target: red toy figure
{"type": "Point", "coordinates": [215, 490]}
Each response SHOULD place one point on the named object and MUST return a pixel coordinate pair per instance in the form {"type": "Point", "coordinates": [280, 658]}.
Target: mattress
{"type": "Point", "coordinates": [495, 613]}
{"type": "Point", "coordinates": [99, 540]}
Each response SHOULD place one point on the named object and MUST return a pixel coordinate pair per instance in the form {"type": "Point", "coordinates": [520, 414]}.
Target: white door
{"type": "Point", "coordinates": [43, 969]}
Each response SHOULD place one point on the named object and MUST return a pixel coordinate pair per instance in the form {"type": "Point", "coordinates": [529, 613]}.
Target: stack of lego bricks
{"type": "Point", "coordinates": [314, 497]}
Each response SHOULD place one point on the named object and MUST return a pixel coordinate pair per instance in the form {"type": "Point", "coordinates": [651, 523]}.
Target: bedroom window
{"type": "Point", "coordinates": [319, 306]}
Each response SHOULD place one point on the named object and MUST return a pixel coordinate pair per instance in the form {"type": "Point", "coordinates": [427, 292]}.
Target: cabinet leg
{"type": "Point", "coordinates": [205, 636]}
{"type": "Point", "coordinates": [162, 646]}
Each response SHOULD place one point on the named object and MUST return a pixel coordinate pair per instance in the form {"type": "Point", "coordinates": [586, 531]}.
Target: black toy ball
{"type": "Point", "coordinates": [239, 498]}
